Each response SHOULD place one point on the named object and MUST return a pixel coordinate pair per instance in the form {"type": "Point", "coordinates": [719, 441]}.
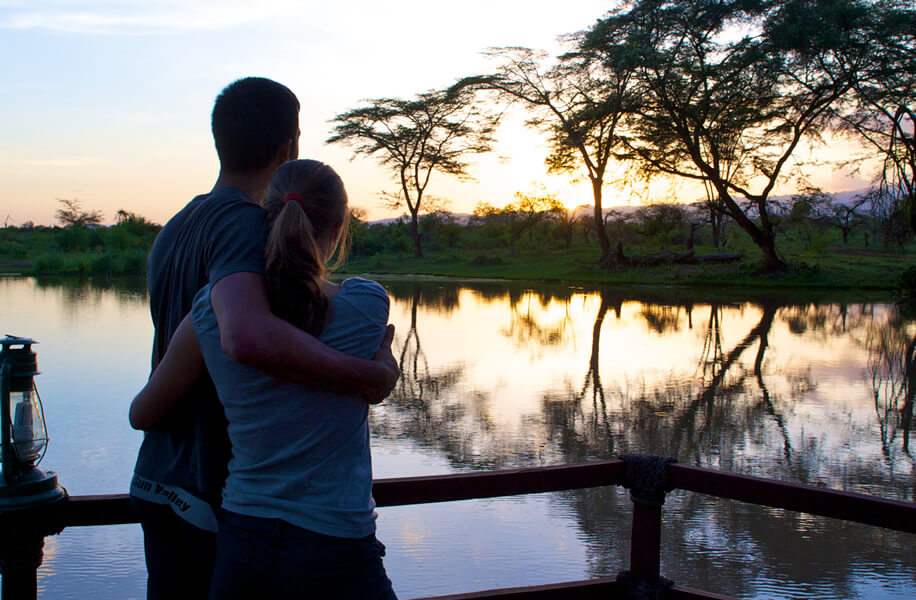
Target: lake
{"type": "Point", "coordinates": [501, 375]}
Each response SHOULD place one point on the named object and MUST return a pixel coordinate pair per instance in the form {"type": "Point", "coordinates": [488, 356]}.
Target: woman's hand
{"type": "Point", "coordinates": [173, 377]}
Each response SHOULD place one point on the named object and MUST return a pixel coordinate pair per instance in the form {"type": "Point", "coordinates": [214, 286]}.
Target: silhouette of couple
{"type": "Point", "coordinates": [254, 478]}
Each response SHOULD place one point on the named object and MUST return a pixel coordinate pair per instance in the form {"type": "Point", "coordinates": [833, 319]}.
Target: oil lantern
{"type": "Point", "coordinates": [24, 434]}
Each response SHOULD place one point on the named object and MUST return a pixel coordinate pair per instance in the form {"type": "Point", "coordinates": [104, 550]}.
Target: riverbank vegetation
{"type": "Point", "coordinates": [657, 244]}
{"type": "Point", "coordinates": [720, 94]}
{"type": "Point", "coordinates": [79, 245]}
{"type": "Point", "coordinates": [825, 242]}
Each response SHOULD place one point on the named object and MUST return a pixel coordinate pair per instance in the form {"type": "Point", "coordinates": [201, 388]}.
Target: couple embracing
{"type": "Point", "coordinates": [254, 477]}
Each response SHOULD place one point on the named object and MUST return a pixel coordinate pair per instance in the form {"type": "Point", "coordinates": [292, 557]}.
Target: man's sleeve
{"type": "Point", "coordinates": [236, 241]}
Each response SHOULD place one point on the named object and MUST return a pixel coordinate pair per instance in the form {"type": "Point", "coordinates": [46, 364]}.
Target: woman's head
{"type": "Point", "coordinates": [308, 218]}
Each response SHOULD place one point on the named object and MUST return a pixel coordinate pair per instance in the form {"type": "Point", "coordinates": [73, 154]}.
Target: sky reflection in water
{"type": "Point", "coordinates": [497, 376]}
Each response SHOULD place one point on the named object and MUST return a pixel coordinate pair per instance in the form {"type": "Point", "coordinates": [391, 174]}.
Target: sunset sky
{"type": "Point", "coordinates": [109, 101]}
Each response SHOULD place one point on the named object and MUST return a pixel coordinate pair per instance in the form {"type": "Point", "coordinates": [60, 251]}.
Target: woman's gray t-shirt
{"type": "Point", "coordinates": [298, 453]}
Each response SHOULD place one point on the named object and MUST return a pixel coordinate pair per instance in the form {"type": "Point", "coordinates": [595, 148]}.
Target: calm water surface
{"type": "Point", "coordinates": [498, 376]}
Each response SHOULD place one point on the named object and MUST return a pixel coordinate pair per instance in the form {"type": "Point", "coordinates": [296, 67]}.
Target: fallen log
{"type": "Point", "coordinates": [661, 258]}
{"type": "Point", "coordinates": [724, 257]}
{"type": "Point", "coordinates": [683, 258]}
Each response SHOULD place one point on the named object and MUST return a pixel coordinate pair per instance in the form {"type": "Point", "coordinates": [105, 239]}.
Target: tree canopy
{"type": "Point", "coordinates": [729, 89]}
{"type": "Point", "coordinates": [71, 214]}
{"type": "Point", "coordinates": [435, 131]}
{"type": "Point", "coordinates": [722, 93]}
{"type": "Point", "coordinates": [580, 110]}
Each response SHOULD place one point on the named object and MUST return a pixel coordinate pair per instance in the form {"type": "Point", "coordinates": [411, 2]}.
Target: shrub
{"type": "Point", "coordinates": [908, 285]}
{"type": "Point", "coordinates": [12, 248]}
{"type": "Point", "coordinates": [135, 262]}
{"type": "Point", "coordinates": [73, 239]}
{"type": "Point", "coordinates": [101, 264]}
{"type": "Point", "coordinates": [49, 263]}
{"type": "Point", "coordinates": [482, 260]}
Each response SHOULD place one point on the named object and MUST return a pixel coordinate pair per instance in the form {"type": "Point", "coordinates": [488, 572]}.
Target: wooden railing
{"type": "Point", "coordinates": [648, 478]}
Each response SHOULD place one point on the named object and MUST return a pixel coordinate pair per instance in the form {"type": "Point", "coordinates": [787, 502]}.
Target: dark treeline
{"type": "Point", "coordinates": [808, 222]}
{"type": "Point", "coordinates": [79, 244]}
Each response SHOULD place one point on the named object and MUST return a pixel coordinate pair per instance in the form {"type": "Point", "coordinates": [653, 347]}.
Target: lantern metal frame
{"type": "Point", "coordinates": [23, 483]}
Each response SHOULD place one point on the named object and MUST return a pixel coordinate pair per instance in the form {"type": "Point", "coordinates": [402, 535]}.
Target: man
{"type": "Point", "coordinates": [218, 238]}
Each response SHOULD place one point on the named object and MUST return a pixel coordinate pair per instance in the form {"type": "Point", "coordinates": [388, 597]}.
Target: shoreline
{"type": "Point", "coordinates": [833, 269]}
{"type": "Point", "coordinates": [655, 292]}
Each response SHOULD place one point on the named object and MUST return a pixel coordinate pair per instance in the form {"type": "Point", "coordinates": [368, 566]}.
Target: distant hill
{"type": "Point", "coordinates": [846, 197]}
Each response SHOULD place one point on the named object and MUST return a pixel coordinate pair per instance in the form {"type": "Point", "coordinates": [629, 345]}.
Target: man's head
{"type": "Point", "coordinates": [253, 119]}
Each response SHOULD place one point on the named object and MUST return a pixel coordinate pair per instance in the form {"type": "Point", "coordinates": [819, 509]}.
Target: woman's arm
{"type": "Point", "coordinates": [176, 373]}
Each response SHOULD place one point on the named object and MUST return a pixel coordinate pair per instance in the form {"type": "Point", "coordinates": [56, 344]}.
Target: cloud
{"type": "Point", "coordinates": [59, 163]}
{"type": "Point", "coordinates": [133, 17]}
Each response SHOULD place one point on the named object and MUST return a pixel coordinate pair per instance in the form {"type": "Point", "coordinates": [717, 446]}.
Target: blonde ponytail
{"type": "Point", "coordinates": [306, 208]}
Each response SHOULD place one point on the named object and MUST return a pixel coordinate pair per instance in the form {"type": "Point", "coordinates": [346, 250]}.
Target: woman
{"type": "Point", "coordinates": [298, 516]}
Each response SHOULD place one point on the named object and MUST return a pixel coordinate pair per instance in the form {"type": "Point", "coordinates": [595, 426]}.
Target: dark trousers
{"type": "Point", "coordinates": [269, 558]}
{"type": "Point", "coordinates": [179, 556]}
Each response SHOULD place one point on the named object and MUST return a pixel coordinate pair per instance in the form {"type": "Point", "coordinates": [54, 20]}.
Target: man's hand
{"type": "Point", "coordinates": [252, 335]}
{"type": "Point", "coordinates": [386, 360]}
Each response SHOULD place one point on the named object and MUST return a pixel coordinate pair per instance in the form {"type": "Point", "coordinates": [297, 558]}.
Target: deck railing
{"type": "Point", "coordinates": [649, 478]}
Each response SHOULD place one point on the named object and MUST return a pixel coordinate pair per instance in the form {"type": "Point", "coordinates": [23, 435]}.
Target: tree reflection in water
{"type": "Point", "coordinates": [82, 297]}
{"type": "Point", "coordinates": [744, 405]}
{"type": "Point", "coordinates": [415, 409]}
{"type": "Point", "coordinates": [892, 354]}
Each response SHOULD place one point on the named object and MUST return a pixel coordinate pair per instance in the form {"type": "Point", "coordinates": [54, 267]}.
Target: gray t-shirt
{"type": "Point", "coordinates": [213, 236]}
{"type": "Point", "coordinates": [298, 453]}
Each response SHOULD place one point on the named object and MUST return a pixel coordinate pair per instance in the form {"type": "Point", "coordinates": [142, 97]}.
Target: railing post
{"type": "Point", "coordinates": [22, 538]}
{"type": "Point", "coordinates": [647, 480]}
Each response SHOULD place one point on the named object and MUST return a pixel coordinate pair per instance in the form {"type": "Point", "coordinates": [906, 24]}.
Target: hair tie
{"type": "Point", "coordinates": [295, 198]}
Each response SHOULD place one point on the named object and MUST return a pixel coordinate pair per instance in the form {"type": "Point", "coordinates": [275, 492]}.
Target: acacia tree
{"type": "Point", "coordinates": [845, 217]}
{"type": "Point", "coordinates": [435, 131]}
{"type": "Point", "coordinates": [71, 214]}
{"type": "Point", "coordinates": [580, 107]}
{"type": "Point", "coordinates": [729, 89]}
{"type": "Point", "coordinates": [881, 110]}
{"type": "Point", "coordinates": [567, 219]}
{"type": "Point", "coordinates": [813, 205]}
{"type": "Point", "coordinates": [897, 181]}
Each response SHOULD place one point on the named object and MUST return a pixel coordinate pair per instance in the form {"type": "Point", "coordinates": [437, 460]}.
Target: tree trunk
{"type": "Point", "coordinates": [909, 371]}
{"type": "Point", "coordinates": [715, 222]}
{"type": "Point", "coordinates": [913, 211]}
{"type": "Point", "coordinates": [415, 232]}
{"type": "Point", "coordinates": [764, 237]}
{"type": "Point", "coordinates": [515, 234]}
{"type": "Point", "coordinates": [619, 256]}
{"type": "Point", "coordinates": [603, 241]}
{"type": "Point", "coordinates": [766, 241]}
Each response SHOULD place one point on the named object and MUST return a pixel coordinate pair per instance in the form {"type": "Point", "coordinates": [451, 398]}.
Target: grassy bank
{"type": "Point", "coordinates": [122, 250]}
{"type": "Point", "coordinates": [833, 268]}
{"type": "Point", "coordinates": [102, 251]}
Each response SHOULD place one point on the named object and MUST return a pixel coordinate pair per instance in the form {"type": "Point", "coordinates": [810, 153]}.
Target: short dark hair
{"type": "Point", "coordinates": [252, 118]}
